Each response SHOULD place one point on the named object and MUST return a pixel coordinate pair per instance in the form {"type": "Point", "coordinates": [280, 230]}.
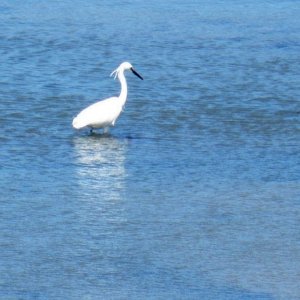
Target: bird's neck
{"type": "Point", "coordinates": [123, 94]}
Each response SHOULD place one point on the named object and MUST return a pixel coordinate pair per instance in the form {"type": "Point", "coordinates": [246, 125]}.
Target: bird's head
{"type": "Point", "coordinates": [123, 67]}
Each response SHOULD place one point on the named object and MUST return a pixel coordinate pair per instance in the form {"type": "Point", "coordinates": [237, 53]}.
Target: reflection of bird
{"type": "Point", "coordinates": [104, 113]}
{"type": "Point", "coordinates": [100, 166]}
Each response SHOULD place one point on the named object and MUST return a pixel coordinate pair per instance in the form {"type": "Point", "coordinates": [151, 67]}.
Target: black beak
{"type": "Point", "coordinates": [136, 73]}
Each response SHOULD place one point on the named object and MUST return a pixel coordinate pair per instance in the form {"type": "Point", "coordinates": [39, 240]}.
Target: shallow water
{"type": "Point", "coordinates": [194, 194]}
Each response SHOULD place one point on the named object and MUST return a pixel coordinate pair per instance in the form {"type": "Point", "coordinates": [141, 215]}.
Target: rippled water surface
{"type": "Point", "coordinates": [194, 194]}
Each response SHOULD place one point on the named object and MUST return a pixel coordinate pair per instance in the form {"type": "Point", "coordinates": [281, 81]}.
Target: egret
{"type": "Point", "coordinates": [104, 114]}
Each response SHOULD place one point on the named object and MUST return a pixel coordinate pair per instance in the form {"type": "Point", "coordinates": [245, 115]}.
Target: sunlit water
{"type": "Point", "coordinates": [194, 194]}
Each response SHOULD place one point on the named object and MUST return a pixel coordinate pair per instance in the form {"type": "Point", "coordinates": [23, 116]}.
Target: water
{"type": "Point", "coordinates": [194, 195]}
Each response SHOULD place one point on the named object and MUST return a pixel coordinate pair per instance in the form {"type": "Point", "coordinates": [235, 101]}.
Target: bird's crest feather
{"type": "Point", "coordinates": [115, 73]}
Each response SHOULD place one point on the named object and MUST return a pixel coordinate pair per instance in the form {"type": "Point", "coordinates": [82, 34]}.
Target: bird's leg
{"type": "Point", "coordinates": [106, 130]}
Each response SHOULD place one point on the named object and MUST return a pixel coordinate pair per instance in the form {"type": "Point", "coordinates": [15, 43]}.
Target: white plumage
{"type": "Point", "coordinates": [104, 114]}
{"type": "Point", "coordinates": [93, 115]}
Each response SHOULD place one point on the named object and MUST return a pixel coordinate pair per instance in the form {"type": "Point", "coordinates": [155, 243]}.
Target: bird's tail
{"type": "Point", "coordinates": [77, 123]}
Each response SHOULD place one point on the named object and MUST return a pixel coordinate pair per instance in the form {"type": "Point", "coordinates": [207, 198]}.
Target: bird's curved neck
{"type": "Point", "coordinates": [123, 94]}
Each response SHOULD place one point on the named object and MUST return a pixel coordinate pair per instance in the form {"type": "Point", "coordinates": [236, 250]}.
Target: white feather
{"type": "Point", "coordinates": [98, 115]}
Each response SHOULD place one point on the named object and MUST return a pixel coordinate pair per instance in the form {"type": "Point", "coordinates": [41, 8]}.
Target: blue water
{"type": "Point", "coordinates": [194, 194]}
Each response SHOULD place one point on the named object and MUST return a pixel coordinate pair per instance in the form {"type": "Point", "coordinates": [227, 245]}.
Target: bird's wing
{"type": "Point", "coordinates": [99, 114]}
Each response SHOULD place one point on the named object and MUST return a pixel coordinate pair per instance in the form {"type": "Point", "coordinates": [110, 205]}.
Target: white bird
{"type": "Point", "coordinates": [104, 114]}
